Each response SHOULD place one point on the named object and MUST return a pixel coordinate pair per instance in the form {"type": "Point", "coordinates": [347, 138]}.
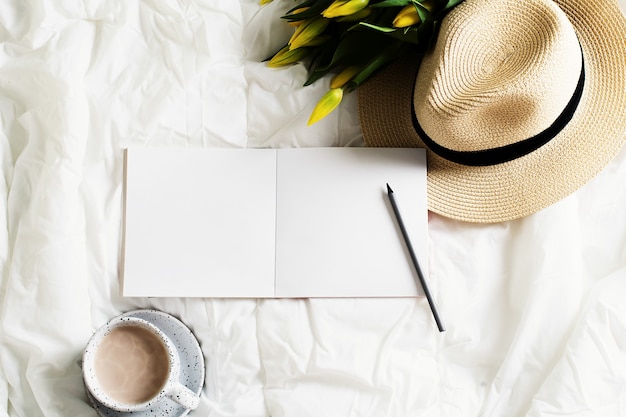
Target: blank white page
{"type": "Point", "coordinates": [199, 222]}
{"type": "Point", "coordinates": [336, 232]}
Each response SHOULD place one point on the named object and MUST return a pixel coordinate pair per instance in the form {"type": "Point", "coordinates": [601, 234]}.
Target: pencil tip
{"type": "Point", "coordinates": [389, 190]}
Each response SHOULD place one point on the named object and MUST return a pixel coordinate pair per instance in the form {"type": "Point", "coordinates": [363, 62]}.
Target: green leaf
{"type": "Point", "coordinates": [321, 61]}
{"type": "Point", "coordinates": [317, 73]}
{"type": "Point", "coordinates": [382, 16]}
{"type": "Point", "coordinates": [419, 36]}
{"type": "Point", "coordinates": [452, 3]}
{"type": "Point", "coordinates": [355, 48]}
{"type": "Point", "coordinates": [378, 28]}
{"type": "Point", "coordinates": [379, 61]}
{"type": "Point", "coordinates": [391, 3]}
{"type": "Point", "coordinates": [422, 11]}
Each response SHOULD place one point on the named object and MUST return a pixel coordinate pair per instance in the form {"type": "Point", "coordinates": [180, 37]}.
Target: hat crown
{"type": "Point", "coordinates": [499, 74]}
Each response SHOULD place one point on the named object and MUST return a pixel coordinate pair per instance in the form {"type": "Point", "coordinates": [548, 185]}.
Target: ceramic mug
{"type": "Point", "coordinates": [130, 365]}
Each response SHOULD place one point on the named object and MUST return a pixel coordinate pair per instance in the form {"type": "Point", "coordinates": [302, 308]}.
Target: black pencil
{"type": "Point", "coordinates": [409, 246]}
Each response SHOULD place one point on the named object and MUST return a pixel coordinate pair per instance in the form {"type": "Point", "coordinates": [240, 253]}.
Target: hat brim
{"type": "Point", "coordinates": [515, 189]}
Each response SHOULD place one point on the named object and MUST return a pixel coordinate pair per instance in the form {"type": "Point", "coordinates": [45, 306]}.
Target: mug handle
{"type": "Point", "coordinates": [184, 396]}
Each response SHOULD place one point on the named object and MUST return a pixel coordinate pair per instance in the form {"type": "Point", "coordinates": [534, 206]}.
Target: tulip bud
{"type": "Point", "coordinates": [408, 16]}
{"type": "Point", "coordinates": [317, 41]}
{"type": "Point", "coordinates": [340, 8]}
{"type": "Point", "coordinates": [327, 104]}
{"type": "Point", "coordinates": [307, 32]}
{"type": "Point", "coordinates": [287, 56]}
{"type": "Point", "coordinates": [298, 10]}
{"type": "Point", "coordinates": [344, 76]}
{"type": "Point", "coordinates": [360, 15]}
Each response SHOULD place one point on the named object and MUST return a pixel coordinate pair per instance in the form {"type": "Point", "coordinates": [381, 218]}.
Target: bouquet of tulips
{"type": "Point", "coordinates": [354, 38]}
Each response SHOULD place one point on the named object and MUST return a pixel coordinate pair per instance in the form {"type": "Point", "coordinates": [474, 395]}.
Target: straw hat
{"type": "Point", "coordinates": [519, 103]}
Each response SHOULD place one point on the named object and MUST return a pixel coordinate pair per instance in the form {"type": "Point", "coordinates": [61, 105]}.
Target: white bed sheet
{"type": "Point", "coordinates": [534, 311]}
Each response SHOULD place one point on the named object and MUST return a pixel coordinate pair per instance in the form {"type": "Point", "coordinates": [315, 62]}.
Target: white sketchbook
{"type": "Point", "coordinates": [272, 223]}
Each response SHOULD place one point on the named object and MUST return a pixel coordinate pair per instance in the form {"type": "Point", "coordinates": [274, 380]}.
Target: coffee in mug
{"type": "Point", "coordinates": [131, 365]}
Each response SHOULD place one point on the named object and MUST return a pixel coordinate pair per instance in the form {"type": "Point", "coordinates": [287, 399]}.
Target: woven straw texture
{"type": "Point", "coordinates": [532, 69]}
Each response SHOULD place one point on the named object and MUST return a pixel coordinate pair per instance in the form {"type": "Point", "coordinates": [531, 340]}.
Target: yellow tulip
{"type": "Point", "coordinates": [298, 10]}
{"type": "Point", "coordinates": [344, 76]}
{"type": "Point", "coordinates": [287, 56]}
{"type": "Point", "coordinates": [262, 2]}
{"type": "Point", "coordinates": [326, 105]}
{"type": "Point", "coordinates": [340, 8]}
{"type": "Point", "coordinates": [307, 32]}
{"type": "Point", "coordinates": [360, 15]}
{"type": "Point", "coordinates": [408, 16]}
{"type": "Point", "coordinates": [318, 40]}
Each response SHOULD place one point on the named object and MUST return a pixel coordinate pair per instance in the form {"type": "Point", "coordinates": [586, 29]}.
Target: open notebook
{"type": "Point", "coordinates": [303, 222]}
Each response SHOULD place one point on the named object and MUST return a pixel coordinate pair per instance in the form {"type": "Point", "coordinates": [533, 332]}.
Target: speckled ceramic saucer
{"type": "Point", "coordinates": [191, 363]}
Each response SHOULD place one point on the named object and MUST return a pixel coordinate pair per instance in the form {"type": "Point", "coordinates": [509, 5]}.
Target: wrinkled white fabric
{"type": "Point", "coordinates": [536, 325]}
